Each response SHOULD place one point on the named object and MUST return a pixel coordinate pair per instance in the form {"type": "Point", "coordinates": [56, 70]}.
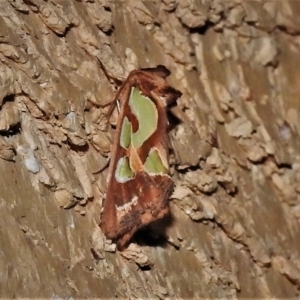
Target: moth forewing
{"type": "Point", "coordinates": [121, 96]}
{"type": "Point", "coordinates": [138, 181]}
{"type": "Point", "coordinates": [156, 162]}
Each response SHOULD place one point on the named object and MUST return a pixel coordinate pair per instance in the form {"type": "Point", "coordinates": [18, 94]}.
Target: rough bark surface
{"type": "Point", "coordinates": [234, 231]}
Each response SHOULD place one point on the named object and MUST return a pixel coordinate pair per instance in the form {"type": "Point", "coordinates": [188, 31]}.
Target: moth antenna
{"type": "Point", "coordinates": [118, 106]}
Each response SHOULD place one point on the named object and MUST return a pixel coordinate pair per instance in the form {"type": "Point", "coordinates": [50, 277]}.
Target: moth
{"type": "Point", "coordinates": [138, 182]}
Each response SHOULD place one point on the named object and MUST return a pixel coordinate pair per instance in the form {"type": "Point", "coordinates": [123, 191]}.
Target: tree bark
{"type": "Point", "coordinates": [235, 211]}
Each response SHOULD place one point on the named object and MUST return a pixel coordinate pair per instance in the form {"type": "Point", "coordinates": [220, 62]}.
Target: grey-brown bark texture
{"type": "Point", "coordinates": [236, 160]}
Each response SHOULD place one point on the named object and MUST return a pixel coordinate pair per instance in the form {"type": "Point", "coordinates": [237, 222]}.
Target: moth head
{"type": "Point", "coordinates": [160, 71]}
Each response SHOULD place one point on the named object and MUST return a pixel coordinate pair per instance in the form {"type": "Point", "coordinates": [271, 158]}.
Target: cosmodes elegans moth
{"type": "Point", "coordinates": [138, 182]}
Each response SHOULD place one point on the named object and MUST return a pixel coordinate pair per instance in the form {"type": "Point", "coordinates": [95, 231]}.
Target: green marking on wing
{"type": "Point", "coordinates": [125, 136]}
{"type": "Point", "coordinates": [154, 164]}
{"type": "Point", "coordinates": [146, 113]}
{"type": "Point", "coordinates": [123, 170]}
